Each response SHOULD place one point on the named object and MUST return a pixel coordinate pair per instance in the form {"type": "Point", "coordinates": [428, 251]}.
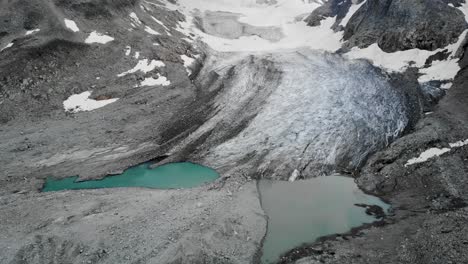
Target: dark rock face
{"type": "Point", "coordinates": [338, 8]}
{"type": "Point", "coordinates": [401, 25]}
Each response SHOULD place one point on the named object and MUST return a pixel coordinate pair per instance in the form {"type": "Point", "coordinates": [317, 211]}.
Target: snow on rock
{"type": "Point", "coordinates": [128, 50]}
{"type": "Point", "coordinates": [351, 11]}
{"type": "Point", "coordinates": [144, 66]}
{"type": "Point", "coordinates": [160, 23]}
{"type": "Point", "coordinates": [435, 152]}
{"type": "Point", "coordinates": [426, 155]}
{"type": "Point", "coordinates": [459, 144]}
{"type": "Point", "coordinates": [151, 31]}
{"type": "Point", "coordinates": [398, 61]}
{"type": "Point", "coordinates": [445, 69]}
{"type": "Point", "coordinates": [9, 45]}
{"type": "Point", "coordinates": [187, 63]}
{"type": "Point", "coordinates": [294, 175]}
{"type": "Point", "coordinates": [96, 37]}
{"type": "Point", "coordinates": [135, 20]}
{"type": "Point", "coordinates": [70, 24]}
{"type": "Point", "coordinates": [137, 55]}
{"type": "Point", "coordinates": [82, 102]}
{"type": "Point", "coordinates": [446, 85]}
{"type": "Point", "coordinates": [161, 80]}
{"type": "Point", "coordinates": [30, 32]}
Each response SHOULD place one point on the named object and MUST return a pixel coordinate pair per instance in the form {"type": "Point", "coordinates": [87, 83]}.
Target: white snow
{"type": "Point", "coordinates": [144, 66]}
{"type": "Point", "coordinates": [161, 80]}
{"type": "Point", "coordinates": [459, 144]}
{"type": "Point", "coordinates": [9, 45]}
{"type": "Point", "coordinates": [426, 155]}
{"type": "Point", "coordinates": [151, 31]}
{"type": "Point", "coordinates": [436, 152]}
{"type": "Point", "coordinates": [351, 11]}
{"type": "Point", "coordinates": [96, 37]}
{"type": "Point", "coordinates": [29, 32]}
{"type": "Point", "coordinates": [82, 102]}
{"type": "Point", "coordinates": [464, 9]}
{"type": "Point", "coordinates": [70, 24]}
{"type": "Point", "coordinates": [137, 55]}
{"type": "Point", "coordinates": [283, 15]}
{"type": "Point", "coordinates": [187, 62]}
{"type": "Point", "coordinates": [294, 175]}
{"type": "Point", "coordinates": [160, 23]}
{"type": "Point", "coordinates": [128, 50]}
{"type": "Point", "coordinates": [400, 60]}
{"type": "Point", "coordinates": [446, 85]}
{"type": "Point", "coordinates": [135, 20]}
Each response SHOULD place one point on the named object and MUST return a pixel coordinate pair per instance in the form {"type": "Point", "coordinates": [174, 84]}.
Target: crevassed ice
{"type": "Point", "coordinates": [309, 109]}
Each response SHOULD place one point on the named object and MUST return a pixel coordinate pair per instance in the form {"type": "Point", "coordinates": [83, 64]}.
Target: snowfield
{"type": "Point", "coordinates": [288, 16]}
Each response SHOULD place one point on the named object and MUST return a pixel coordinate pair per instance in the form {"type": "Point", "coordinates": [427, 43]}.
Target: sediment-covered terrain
{"type": "Point", "coordinates": [254, 89]}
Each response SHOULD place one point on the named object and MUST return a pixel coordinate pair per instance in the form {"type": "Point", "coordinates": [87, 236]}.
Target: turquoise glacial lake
{"type": "Point", "coordinates": [168, 176]}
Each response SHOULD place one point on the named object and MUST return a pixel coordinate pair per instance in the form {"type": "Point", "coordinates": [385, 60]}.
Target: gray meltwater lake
{"type": "Point", "coordinates": [300, 212]}
{"type": "Point", "coordinates": [168, 176]}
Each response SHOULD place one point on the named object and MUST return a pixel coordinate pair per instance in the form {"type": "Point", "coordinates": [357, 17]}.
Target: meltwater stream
{"type": "Point", "coordinates": [302, 211]}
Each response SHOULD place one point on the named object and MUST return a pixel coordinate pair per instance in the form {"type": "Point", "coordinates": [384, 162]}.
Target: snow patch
{"type": "Point", "coordinates": [187, 63]}
{"type": "Point", "coordinates": [446, 85]}
{"type": "Point", "coordinates": [144, 66]}
{"type": "Point", "coordinates": [96, 37]}
{"type": "Point", "coordinates": [459, 144]}
{"type": "Point", "coordinates": [9, 45]}
{"type": "Point", "coordinates": [398, 61]}
{"type": "Point", "coordinates": [351, 11]}
{"type": "Point", "coordinates": [82, 102]}
{"type": "Point", "coordinates": [435, 152]}
{"type": "Point", "coordinates": [70, 24]}
{"type": "Point", "coordinates": [135, 20]}
{"type": "Point", "coordinates": [426, 155]}
{"type": "Point", "coordinates": [161, 80]}
{"type": "Point", "coordinates": [30, 32]}
{"type": "Point", "coordinates": [128, 50]}
{"type": "Point", "coordinates": [137, 55]}
{"type": "Point", "coordinates": [160, 23]}
{"type": "Point", "coordinates": [294, 175]}
{"type": "Point", "coordinates": [151, 31]}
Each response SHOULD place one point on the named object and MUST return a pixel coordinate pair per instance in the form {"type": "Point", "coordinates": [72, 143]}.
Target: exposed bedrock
{"type": "Point", "coordinates": [401, 25]}
{"type": "Point", "coordinates": [298, 110]}
{"type": "Point", "coordinates": [395, 24]}
{"type": "Point", "coordinates": [332, 8]}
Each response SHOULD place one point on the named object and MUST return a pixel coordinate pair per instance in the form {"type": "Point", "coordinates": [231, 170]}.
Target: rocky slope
{"type": "Point", "coordinates": [91, 87]}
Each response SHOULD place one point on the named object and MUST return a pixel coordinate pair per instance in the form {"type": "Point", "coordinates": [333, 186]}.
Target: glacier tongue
{"type": "Point", "coordinates": [302, 110]}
